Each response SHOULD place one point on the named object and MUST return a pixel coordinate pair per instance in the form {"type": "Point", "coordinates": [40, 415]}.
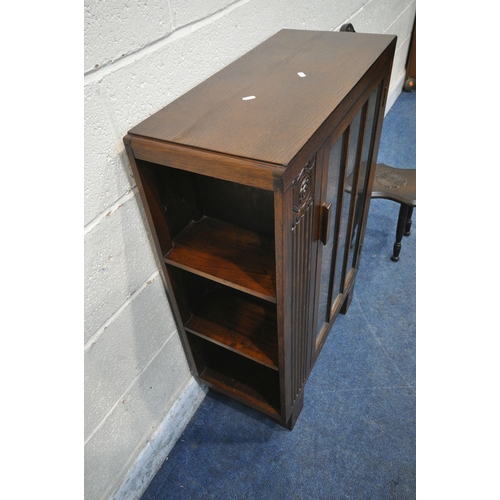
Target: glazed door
{"type": "Point", "coordinates": [346, 163]}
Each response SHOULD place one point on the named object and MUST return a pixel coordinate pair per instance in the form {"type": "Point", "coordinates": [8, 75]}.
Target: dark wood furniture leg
{"type": "Point", "coordinates": [402, 219]}
{"type": "Point", "coordinates": [347, 302]}
{"type": "Point", "coordinates": [297, 408]}
{"type": "Point", "coordinates": [408, 221]}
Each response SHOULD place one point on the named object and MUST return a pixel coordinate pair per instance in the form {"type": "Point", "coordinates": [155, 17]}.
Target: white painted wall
{"type": "Point", "coordinates": [139, 56]}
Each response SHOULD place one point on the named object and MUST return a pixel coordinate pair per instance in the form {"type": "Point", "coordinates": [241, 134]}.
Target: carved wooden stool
{"type": "Point", "coordinates": [396, 184]}
{"type": "Point", "coordinates": [399, 185]}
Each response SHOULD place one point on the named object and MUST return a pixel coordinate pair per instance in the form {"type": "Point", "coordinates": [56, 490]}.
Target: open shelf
{"type": "Point", "coordinates": [238, 322]}
{"type": "Point", "coordinates": [237, 376]}
{"type": "Point", "coordinates": [227, 254]}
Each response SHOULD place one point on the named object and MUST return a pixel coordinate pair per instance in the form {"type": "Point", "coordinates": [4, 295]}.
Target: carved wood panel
{"type": "Point", "coordinates": [302, 238]}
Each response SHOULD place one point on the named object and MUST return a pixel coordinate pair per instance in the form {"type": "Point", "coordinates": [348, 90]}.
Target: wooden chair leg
{"type": "Point", "coordinates": [402, 219]}
{"type": "Point", "coordinates": [408, 222]}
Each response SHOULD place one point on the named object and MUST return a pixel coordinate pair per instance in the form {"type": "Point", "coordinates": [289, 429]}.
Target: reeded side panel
{"type": "Point", "coordinates": [302, 238]}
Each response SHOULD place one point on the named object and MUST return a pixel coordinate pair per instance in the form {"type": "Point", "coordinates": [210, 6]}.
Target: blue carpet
{"type": "Point", "coordinates": [355, 437]}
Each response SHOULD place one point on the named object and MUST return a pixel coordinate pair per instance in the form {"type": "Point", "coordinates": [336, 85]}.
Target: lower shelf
{"type": "Point", "coordinates": [237, 376]}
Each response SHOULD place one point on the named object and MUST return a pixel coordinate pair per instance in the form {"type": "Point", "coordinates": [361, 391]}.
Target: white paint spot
{"type": "Point", "coordinates": [248, 98]}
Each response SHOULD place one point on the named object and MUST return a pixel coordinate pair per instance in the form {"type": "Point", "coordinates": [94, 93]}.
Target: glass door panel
{"type": "Point", "coordinates": [362, 181]}
{"type": "Point", "coordinates": [347, 181]}
{"type": "Point", "coordinates": [332, 191]}
{"type": "Point", "coordinates": [350, 147]}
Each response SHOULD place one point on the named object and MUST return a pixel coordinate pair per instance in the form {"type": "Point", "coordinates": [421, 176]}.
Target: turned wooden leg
{"type": "Point", "coordinates": [403, 217]}
{"type": "Point", "coordinates": [408, 222]}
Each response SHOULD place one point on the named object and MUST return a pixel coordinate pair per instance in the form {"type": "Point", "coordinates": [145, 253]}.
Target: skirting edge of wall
{"type": "Point", "coordinates": [161, 443]}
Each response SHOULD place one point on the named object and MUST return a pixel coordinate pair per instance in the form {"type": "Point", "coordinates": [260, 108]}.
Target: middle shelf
{"type": "Point", "coordinates": [238, 322]}
{"type": "Point", "coordinates": [227, 254]}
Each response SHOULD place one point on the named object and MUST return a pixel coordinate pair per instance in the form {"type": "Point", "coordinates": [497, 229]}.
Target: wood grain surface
{"type": "Point", "coordinates": [287, 108]}
{"type": "Point", "coordinates": [227, 254]}
{"type": "Point", "coordinates": [238, 322]}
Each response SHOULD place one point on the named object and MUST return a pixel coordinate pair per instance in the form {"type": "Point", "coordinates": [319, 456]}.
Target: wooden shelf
{"type": "Point", "coordinates": [235, 257]}
{"type": "Point", "coordinates": [239, 322]}
{"type": "Point", "coordinates": [243, 392]}
{"type": "Point", "coordinates": [238, 377]}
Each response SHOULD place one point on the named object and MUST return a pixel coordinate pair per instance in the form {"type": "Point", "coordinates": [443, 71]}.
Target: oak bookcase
{"type": "Point", "coordinates": [243, 185]}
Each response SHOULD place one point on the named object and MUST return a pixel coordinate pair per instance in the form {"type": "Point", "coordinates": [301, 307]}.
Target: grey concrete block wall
{"type": "Point", "coordinates": [140, 56]}
{"type": "Point", "coordinates": [118, 260]}
{"type": "Point", "coordinates": [114, 360]}
{"type": "Point", "coordinates": [188, 12]}
{"type": "Point", "coordinates": [113, 29]}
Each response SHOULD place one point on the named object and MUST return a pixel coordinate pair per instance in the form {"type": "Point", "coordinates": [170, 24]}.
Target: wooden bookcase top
{"type": "Point", "coordinates": [286, 109]}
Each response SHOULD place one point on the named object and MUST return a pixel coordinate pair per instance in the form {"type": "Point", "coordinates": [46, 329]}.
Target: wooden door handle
{"type": "Point", "coordinates": [326, 210]}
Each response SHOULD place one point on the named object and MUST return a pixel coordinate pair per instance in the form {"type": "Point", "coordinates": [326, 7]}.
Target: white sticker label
{"type": "Point", "coordinates": [248, 98]}
{"type": "Point", "coordinates": [301, 74]}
